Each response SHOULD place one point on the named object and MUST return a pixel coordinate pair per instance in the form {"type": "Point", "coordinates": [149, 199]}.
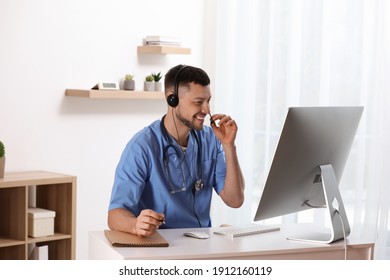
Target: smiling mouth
{"type": "Point", "coordinates": [199, 118]}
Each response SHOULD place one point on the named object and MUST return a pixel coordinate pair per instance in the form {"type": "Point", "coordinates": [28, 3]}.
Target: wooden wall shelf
{"type": "Point", "coordinates": [115, 94]}
{"type": "Point", "coordinates": [163, 50]}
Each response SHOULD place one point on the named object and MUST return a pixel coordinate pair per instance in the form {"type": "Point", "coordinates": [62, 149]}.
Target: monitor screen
{"type": "Point", "coordinates": [313, 148]}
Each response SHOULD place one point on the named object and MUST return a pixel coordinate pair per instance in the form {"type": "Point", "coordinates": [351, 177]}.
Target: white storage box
{"type": "Point", "coordinates": [40, 222]}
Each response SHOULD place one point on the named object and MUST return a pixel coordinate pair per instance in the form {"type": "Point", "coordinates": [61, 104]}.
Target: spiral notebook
{"type": "Point", "coordinates": [123, 239]}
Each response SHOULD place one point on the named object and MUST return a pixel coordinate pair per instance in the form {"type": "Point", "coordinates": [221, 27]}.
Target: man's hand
{"type": "Point", "coordinates": [148, 222]}
{"type": "Point", "coordinates": [226, 130]}
{"type": "Point", "coordinates": [145, 224]}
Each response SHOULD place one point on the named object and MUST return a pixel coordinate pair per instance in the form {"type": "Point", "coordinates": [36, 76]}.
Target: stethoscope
{"type": "Point", "coordinates": [198, 184]}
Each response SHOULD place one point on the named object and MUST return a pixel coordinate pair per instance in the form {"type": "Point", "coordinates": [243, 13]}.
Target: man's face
{"type": "Point", "coordinates": [193, 105]}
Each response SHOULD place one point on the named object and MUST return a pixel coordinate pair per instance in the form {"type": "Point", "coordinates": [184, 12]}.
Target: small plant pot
{"type": "Point", "coordinates": [158, 86]}
{"type": "Point", "coordinates": [2, 167]}
{"type": "Point", "coordinates": [129, 85]}
{"type": "Point", "coordinates": [149, 86]}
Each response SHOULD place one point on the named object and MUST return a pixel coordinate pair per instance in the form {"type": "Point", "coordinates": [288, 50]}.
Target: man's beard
{"type": "Point", "coordinates": [187, 123]}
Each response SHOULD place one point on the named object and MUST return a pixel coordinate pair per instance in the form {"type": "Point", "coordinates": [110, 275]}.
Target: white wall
{"type": "Point", "coordinates": [47, 46]}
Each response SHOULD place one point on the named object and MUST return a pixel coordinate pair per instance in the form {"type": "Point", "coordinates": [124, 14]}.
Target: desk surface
{"type": "Point", "coordinates": [272, 245]}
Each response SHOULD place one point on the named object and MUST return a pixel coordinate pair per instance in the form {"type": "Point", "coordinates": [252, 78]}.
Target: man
{"type": "Point", "coordinates": [168, 170]}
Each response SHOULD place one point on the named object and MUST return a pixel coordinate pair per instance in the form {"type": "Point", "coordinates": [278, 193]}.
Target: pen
{"type": "Point", "coordinates": [162, 220]}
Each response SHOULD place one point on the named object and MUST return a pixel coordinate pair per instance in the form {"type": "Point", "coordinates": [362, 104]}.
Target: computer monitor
{"type": "Point", "coordinates": [307, 167]}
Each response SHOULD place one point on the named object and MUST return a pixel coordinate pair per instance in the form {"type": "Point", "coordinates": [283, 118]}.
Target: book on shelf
{"type": "Point", "coordinates": [157, 38]}
{"type": "Point", "coordinates": [162, 43]}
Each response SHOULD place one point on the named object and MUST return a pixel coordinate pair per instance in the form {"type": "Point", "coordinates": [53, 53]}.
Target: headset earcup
{"type": "Point", "coordinates": [172, 100]}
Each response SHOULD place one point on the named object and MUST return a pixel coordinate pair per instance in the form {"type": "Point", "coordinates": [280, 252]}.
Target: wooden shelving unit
{"type": "Point", "coordinates": [53, 191]}
{"type": "Point", "coordinates": [115, 94]}
{"type": "Point", "coordinates": [163, 50]}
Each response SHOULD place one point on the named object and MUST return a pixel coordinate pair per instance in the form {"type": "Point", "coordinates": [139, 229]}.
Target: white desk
{"type": "Point", "coordinates": [270, 246]}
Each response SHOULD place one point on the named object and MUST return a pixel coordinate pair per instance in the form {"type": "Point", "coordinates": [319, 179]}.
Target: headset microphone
{"type": "Point", "coordinates": [211, 119]}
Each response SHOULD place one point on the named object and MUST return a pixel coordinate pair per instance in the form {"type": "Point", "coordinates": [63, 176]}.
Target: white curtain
{"type": "Point", "coordinates": [274, 54]}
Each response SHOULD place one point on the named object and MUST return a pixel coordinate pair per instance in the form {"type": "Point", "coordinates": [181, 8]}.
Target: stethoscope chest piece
{"type": "Point", "coordinates": [199, 185]}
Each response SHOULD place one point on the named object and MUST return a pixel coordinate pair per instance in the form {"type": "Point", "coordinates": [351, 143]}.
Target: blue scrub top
{"type": "Point", "coordinates": [141, 180]}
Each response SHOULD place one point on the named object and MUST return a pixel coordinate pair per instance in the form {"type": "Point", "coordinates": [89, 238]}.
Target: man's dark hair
{"type": "Point", "coordinates": [187, 75]}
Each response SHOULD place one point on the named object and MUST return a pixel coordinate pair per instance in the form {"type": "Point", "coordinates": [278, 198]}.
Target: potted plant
{"type": "Point", "coordinates": [149, 83]}
{"type": "Point", "coordinates": [2, 159]}
{"type": "Point", "coordinates": [129, 83]}
{"type": "Point", "coordinates": [157, 84]}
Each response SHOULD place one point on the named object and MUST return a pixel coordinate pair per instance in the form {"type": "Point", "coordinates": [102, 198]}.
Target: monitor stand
{"type": "Point", "coordinates": [335, 208]}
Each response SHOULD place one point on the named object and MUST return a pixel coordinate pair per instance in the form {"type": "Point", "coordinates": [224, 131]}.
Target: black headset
{"type": "Point", "coordinates": [173, 99]}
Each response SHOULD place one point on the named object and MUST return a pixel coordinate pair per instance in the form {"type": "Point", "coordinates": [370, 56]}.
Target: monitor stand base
{"type": "Point", "coordinates": [335, 209]}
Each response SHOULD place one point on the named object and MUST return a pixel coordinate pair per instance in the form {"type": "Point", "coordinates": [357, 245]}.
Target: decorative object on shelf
{"type": "Point", "coordinates": [106, 86]}
{"type": "Point", "coordinates": [40, 222]}
{"type": "Point", "coordinates": [129, 83]}
{"type": "Point", "coordinates": [2, 159]}
{"type": "Point", "coordinates": [149, 83]}
{"type": "Point", "coordinates": [39, 252]}
{"type": "Point", "coordinates": [157, 84]}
